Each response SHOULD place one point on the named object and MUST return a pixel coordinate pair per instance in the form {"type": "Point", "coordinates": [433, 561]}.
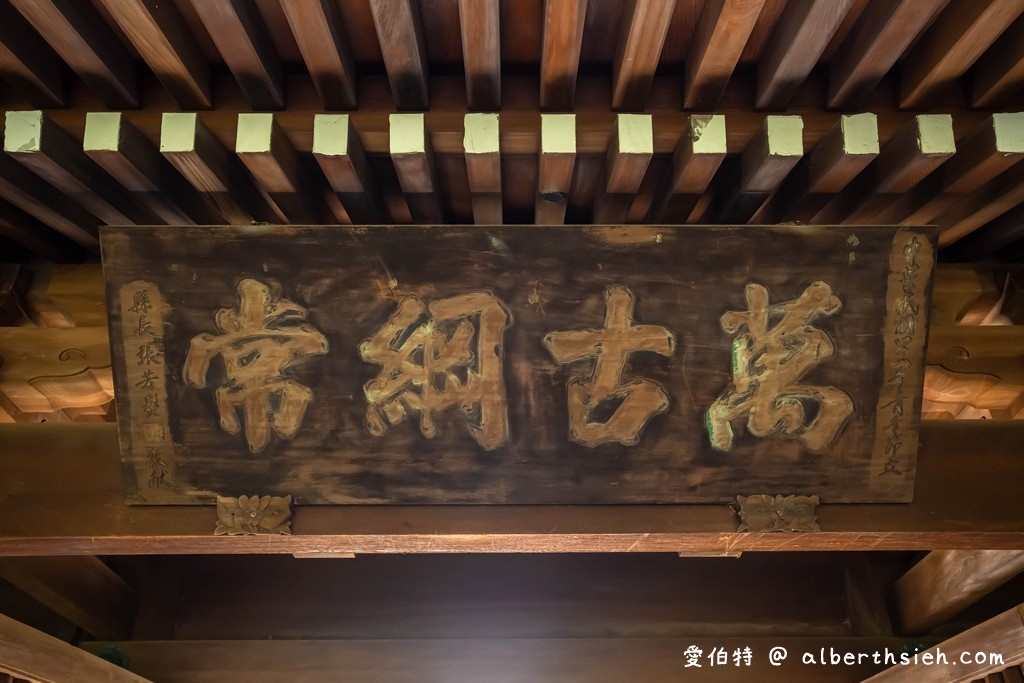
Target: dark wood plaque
{"type": "Point", "coordinates": [518, 364]}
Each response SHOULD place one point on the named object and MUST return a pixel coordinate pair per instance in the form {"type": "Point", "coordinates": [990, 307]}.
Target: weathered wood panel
{"type": "Point", "coordinates": [457, 365]}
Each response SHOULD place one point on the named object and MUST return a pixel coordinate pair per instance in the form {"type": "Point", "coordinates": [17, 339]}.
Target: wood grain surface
{"type": "Point", "coordinates": [457, 365]}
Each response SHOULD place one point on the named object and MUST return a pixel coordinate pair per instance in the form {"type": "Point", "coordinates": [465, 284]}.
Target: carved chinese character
{"type": "Point", "coordinates": [140, 302]}
{"type": "Point", "coordinates": [434, 357]}
{"type": "Point", "coordinates": [259, 340]}
{"type": "Point", "coordinates": [768, 362]}
{"type": "Point", "coordinates": [603, 409]}
{"type": "Point", "coordinates": [151, 405]}
{"type": "Point", "coordinates": [148, 354]}
{"type": "Point", "coordinates": [158, 470]}
{"type": "Point", "coordinates": [144, 327]}
{"type": "Point", "coordinates": [148, 380]}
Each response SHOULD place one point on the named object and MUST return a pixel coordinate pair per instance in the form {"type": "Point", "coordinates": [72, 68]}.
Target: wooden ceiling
{"type": "Point", "coordinates": [941, 80]}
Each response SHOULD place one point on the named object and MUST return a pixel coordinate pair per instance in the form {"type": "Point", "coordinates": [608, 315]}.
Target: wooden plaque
{"type": "Point", "coordinates": [518, 364]}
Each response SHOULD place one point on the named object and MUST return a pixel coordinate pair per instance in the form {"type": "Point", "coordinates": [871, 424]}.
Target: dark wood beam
{"type": "Point", "coordinates": [237, 29]}
{"type": "Point", "coordinates": [337, 149]}
{"type": "Point", "coordinates": [946, 582]}
{"type": "Point", "coordinates": [52, 153]}
{"type": "Point", "coordinates": [480, 21]}
{"type": "Point", "coordinates": [82, 589]}
{"type": "Point", "coordinates": [404, 51]}
{"type": "Point", "coordinates": [800, 36]}
{"type": "Point", "coordinates": [560, 60]}
{"type": "Point", "coordinates": [31, 654]}
{"type": "Point", "coordinates": [157, 30]}
{"type": "Point", "coordinates": [79, 34]}
{"type": "Point", "coordinates": [1002, 635]}
{"type": "Point", "coordinates": [135, 162]}
{"type": "Point", "coordinates": [201, 158]}
{"type": "Point", "coordinates": [483, 167]}
{"type": "Point", "coordinates": [721, 36]}
{"type": "Point", "coordinates": [318, 30]}
{"type": "Point", "coordinates": [951, 45]}
{"type": "Point", "coordinates": [644, 27]}
{"type": "Point", "coordinates": [27, 63]}
{"type": "Point", "coordinates": [265, 150]}
{"type": "Point", "coordinates": [881, 35]}
{"type": "Point", "coordinates": [83, 512]}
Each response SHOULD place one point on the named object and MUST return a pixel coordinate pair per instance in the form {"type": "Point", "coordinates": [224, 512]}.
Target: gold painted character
{"type": "Point", "coordinates": [434, 357]}
{"type": "Point", "coordinates": [259, 340]}
{"type": "Point", "coordinates": [638, 400]}
{"type": "Point", "coordinates": [768, 362]}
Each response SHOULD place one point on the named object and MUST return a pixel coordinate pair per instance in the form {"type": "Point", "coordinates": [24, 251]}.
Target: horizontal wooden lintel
{"type": "Point", "coordinates": [62, 494]}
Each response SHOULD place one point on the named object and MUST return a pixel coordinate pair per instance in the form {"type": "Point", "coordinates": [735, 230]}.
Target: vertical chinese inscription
{"type": "Point", "coordinates": [142, 312]}
{"type": "Point", "coordinates": [259, 340]}
{"type": "Point", "coordinates": [903, 349]}
{"type": "Point", "coordinates": [768, 362]}
{"type": "Point", "coordinates": [603, 409]}
{"type": "Point", "coordinates": [436, 356]}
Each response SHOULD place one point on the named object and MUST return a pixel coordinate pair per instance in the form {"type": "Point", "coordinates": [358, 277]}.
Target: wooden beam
{"type": "Point", "coordinates": [800, 36]}
{"type": "Point", "coordinates": [766, 162]}
{"type": "Point", "coordinates": [946, 582]}
{"type": "Point", "coordinates": [319, 31]}
{"type": "Point", "coordinates": [999, 73]}
{"type": "Point", "coordinates": [199, 156]}
{"type": "Point", "coordinates": [917, 150]}
{"type": "Point", "coordinates": [14, 284]}
{"type": "Point", "coordinates": [985, 204]}
{"type": "Point", "coordinates": [1002, 635]}
{"type": "Point", "coordinates": [630, 149]}
{"type": "Point", "coordinates": [981, 244]}
{"type": "Point", "coordinates": [160, 583]}
{"type": "Point", "coordinates": [721, 36]}
{"type": "Point", "coordinates": [843, 153]}
{"type": "Point", "coordinates": [78, 33]}
{"type": "Point", "coordinates": [644, 27]}
{"type": "Point", "coordinates": [838, 158]}
{"type": "Point", "coordinates": [39, 238]}
{"type": "Point", "coordinates": [702, 148]}
{"type": "Point", "coordinates": [236, 28]}
{"type": "Point", "coordinates": [68, 296]}
{"type": "Point", "coordinates": [953, 43]}
{"type": "Point", "coordinates": [882, 34]}
{"type": "Point", "coordinates": [865, 597]}
{"type": "Point", "coordinates": [560, 59]}
{"type": "Point", "coordinates": [414, 163]}
{"type": "Point", "coordinates": [265, 150]}
{"type": "Point", "coordinates": [908, 157]}
{"type": "Point", "coordinates": [130, 158]}
{"type": "Point", "coordinates": [33, 195]}
{"type": "Point", "coordinates": [159, 33]}
{"type": "Point", "coordinates": [82, 512]}
{"type": "Point", "coordinates": [46, 370]}
{"type": "Point", "coordinates": [41, 145]}
{"type": "Point", "coordinates": [27, 63]}
{"type": "Point", "coordinates": [986, 151]}
{"type": "Point", "coordinates": [557, 160]}
{"type": "Point", "coordinates": [404, 51]}
{"type": "Point", "coordinates": [480, 22]}
{"type": "Point", "coordinates": [483, 166]}
{"type": "Point", "coordinates": [31, 654]}
{"type": "Point", "coordinates": [958, 289]}
{"type": "Point", "coordinates": [520, 116]}
{"type": "Point", "coordinates": [336, 147]}
{"type": "Point", "coordinates": [82, 589]}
